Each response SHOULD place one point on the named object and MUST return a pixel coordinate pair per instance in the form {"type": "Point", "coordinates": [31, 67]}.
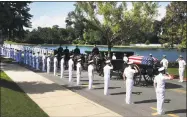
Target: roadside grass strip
{"type": "Point", "coordinates": [14, 102]}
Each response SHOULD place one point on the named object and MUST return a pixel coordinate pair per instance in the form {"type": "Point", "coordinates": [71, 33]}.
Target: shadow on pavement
{"type": "Point", "coordinates": [176, 111]}
{"type": "Point", "coordinates": [172, 86]}
{"type": "Point", "coordinates": [31, 87]}
{"type": "Point", "coordinates": [88, 80]}
{"type": "Point", "coordinates": [108, 88]}
{"type": "Point", "coordinates": [121, 93]}
{"type": "Point", "coordinates": [152, 101]}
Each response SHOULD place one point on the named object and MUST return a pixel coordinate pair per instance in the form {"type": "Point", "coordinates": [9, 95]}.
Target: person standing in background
{"type": "Point", "coordinates": [182, 66]}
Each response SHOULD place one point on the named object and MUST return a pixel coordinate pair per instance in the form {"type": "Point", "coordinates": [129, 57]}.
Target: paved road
{"type": "Point", "coordinates": [143, 97]}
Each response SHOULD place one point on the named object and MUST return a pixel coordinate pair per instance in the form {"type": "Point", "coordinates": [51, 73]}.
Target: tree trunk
{"type": "Point", "coordinates": [109, 49]}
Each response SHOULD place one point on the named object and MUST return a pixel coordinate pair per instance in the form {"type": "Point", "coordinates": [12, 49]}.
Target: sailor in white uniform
{"type": "Point", "coordinates": [43, 62]}
{"type": "Point", "coordinates": [48, 64]}
{"type": "Point", "coordinates": [106, 71]}
{"type": "Point", "coordinates": [62, 67]}
{"type": "Point", "coordinates": [128, 75]}
{"type": "Point", "coordinates": [164, 62]}
{"type": "Point", "coordinates": [113, 56]}
{"type": "Point", "coordinates": [55, 64]}
{"type": "Point", "coordinates": [159, 85]}
{"type": "Point", "coordinates": [90, 74]}
{"type": "Point", "coordinates": [125, 59]}
{"type": "Point", "coordinates": [37, 61]}
{"type": "Point", "coordinates": [70, 67]}
{"type": "Point", "coordinates": [182, 66]}
{"type": "Point", "coordinates": [33, 60]}
{"type": "Point", "coordinates": [78, 71]}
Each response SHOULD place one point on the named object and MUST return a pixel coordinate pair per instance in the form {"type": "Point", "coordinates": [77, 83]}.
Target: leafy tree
{"type": "Point", "coordinates": [14, 16]}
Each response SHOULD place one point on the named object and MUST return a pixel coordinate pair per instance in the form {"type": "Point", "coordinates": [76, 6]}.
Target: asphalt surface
{"type": "Point", "coordinates": [144, 97]}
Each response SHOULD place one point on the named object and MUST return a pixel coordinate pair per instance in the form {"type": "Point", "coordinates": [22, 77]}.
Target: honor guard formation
{"type": "Point", "coordinates": [51, 61]}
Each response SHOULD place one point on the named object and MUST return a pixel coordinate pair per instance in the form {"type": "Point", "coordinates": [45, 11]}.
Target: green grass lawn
{"type": "Point", "coordinates": [175, 71]}
{"type": "Point", "coordinates": [15, 103]}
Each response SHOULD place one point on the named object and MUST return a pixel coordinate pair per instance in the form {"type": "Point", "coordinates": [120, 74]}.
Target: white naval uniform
{"type": "Point", "coordinates": [33, 61]}
{"type": "Point", "coordinates": [107, 69]}
{"type": "Point", "coordinates": [182, 65]}
{"type": "Point", "coordinates": [55, 65]}
{"type": "Point", "coordinates": [30, 59]}
{"type": "Point", "coordinates": [125, 59]}
{"type": "Point", "coordinates": [78, 72]}
{"type": "Point", "coordinates": [37, 62]}
{"type": "Point", "coordinates": [43, 63]}
{"type": "Point", "coordinates": [70, 68]}
{"type": "Point", "coordinates": [129, 74]}
{"type": "Point", "coordinates": [90, 75]}
{"type": "Point", "coordinates": [160, 91]}
{"type": "Point", "coordinates": [113, 57]}
{"type": "Point", "coordinates": [62, 68]}
{"type": "Point", "coordinates": [164, 63]}
{"type": "Point", "coordinates": [48, 64]}
{"type": "Point", "coordinates": [25, 57]}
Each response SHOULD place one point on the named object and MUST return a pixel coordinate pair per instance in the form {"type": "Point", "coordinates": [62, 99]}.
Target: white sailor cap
{"type": "Point", "coordinates": [79, 60]}
{"type": "Point", "coordinates": [71, 56]}
{"type": "Point", "coordinates": [150, 54]}
{"type": "Point", "coordinates": [161, 69]}
{"type": "Point", "coordinates": [108, 61]}
{"type": "Point", "coordinates": [62, 56]}
{"type": "Point", "coordinates": [130, 62]}
{"type": "Point", "coordinates": [180, 56]}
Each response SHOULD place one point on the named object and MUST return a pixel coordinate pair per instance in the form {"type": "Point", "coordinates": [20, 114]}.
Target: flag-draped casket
{"type": "Point", "coordinates": [144, 60]}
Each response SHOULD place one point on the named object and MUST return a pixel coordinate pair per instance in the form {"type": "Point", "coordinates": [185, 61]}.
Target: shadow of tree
{"type": "Point", "coordinates": [152, 101]}
{"type": "Point", "coordinates": [108, 88]}
{"type": "Point", "coordinates": [121, 93]}
{"type": "Point", "coordinates": [169, 85]}
{"type": "Point", "coordinates": [36, 87]}
{"type": "Point", "coordinates": [176, 111]}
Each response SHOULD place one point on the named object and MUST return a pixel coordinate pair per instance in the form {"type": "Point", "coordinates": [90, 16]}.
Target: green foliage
{"type": "Point", "coordinates": [147, 42]}
{"type": "Point", "coordinates": [13, 17]}
{"type": "Point", "coordinates": [174, 24]}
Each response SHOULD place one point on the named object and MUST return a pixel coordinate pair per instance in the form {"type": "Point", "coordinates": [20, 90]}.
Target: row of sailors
{"type": "Point", "coordinates": [159, 81]}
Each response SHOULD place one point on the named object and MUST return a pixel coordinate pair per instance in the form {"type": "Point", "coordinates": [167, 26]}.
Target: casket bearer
{"type": "Point", "coordinates": [107, 69]}
{"type": "Point", "coordinates": [159, 84]}
{"type": "Point", "coordinates": [128, 75]}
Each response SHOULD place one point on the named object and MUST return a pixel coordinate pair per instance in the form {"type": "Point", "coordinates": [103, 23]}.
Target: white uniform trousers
{"type": "Point", "coordinates": [90, 76]}
{"type": "Point", "coordinates": [48, 68]}
{"type": "Point", "coordinates": [43, 66]}
{"type": "Point", "coordinates": [181, 74]}
{"type": "Point", "coordinates": [129, 85]}
{"type": "Point", "coordinates": [106, 83]}
{"type": "Point", "coordinates": [160, 95]}
{"type": "Point", "coordinates": [78, 78]}
{"type": "Point", "coordinates": [55, 69]}
{"type": "Point", "coordinates": [62, 72]}
{"type": "Point", "coordinates": [37, 64]}
{"type": "Point", "coordinates": [33, 63]}
{"type": "Point", "coordinates": [70, 74]}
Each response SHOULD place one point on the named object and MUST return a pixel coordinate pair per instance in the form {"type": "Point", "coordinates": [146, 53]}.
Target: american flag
{"type": "Point", "coordinates": [143, 60]}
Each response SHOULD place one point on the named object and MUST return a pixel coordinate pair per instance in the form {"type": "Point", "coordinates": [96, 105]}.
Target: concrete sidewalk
{"type": "Point", "coordinates": [54, 99]}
